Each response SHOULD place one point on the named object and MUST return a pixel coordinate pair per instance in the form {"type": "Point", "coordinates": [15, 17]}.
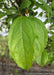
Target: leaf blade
{"type": "Point", "coordinates": [20, 47]}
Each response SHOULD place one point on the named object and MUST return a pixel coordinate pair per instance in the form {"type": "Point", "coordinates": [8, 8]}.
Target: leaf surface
{"type": "Point", "coordinates": [20, 42]}
{"type": "Point", "coordinates": [41, 36]}
{"type": "Point", "coordinates": [43, 58]}
{"type": "Point", "coordinates": [25, 4]}
{"type": "Point", "coordinates": [2, 14]}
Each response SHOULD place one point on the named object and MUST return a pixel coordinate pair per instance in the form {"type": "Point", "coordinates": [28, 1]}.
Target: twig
{"type": "Point", "coordinates": [13, 4]}
{"type": "Point", "coordinates": [21, 1]}
{"type": "Point", "coordinates": [6, 7]}
{"type": "Point", "coordinates": [17, 2]}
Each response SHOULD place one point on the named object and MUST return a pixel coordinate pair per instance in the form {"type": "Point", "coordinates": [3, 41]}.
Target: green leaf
{"type": "Point", "coordinates": [20, 42]}
{"type": "Point", "coordinates": [1, 0]}
{"type": "Point", "coordinates": [52, 13]}
{"type": "Point", "coordinates": [13, 9]}
{"type": "Point", "coordinates": [0, 5]}
{"type": "Point", "coordinates": [41, 36]}
{"type": "Point", "coordinates": [42, 59]}
{"type": "Point", "coordinates": [52, 62]}
{"type": "Point", "coordinates": [27, 37]}
{"type": "Point", "coordinates": [0, 28]}
{"type": "Point", "coordinates": [52, 42]}
{"type": "Point", "coordinates": [50, 56]}
{"type": "Point", "coordinates": [48, 8]}
{"type": "Point", "coordinates": [45, 32]}
{"type": "Point", "coordinates": [25, 4]}
{"type": "Point", "coordinates": [9, 11]}
{"type": "Point", "coordinates": [41, 14]}
{"type": "Point", "coordinates": [43, 6]}
{"type": "Point", "coordinates": [2, 14]}
{"type": "Point", "coordinates": [52, 3]}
